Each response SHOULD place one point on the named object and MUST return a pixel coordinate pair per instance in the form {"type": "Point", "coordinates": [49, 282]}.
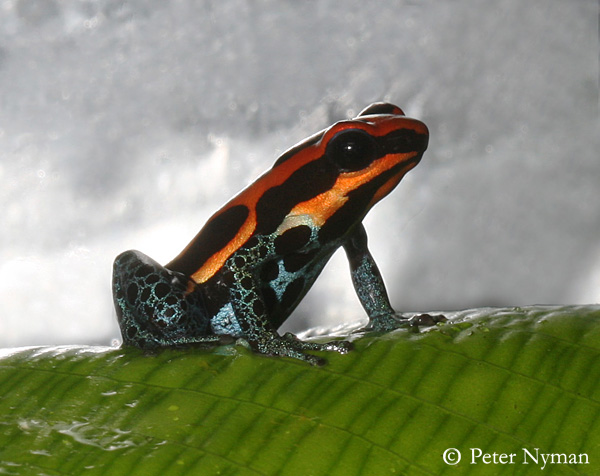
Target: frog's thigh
{"type": "Point", "coordinates": [156, 306]}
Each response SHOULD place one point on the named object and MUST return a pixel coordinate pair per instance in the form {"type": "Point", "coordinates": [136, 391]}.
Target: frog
{"type": "Point", "coordinates": [250, 265]}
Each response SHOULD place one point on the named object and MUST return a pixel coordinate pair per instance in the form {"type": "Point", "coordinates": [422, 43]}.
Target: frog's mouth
{"type": "Point", "coordinates": [359, 200]}
{"type": "Point", "coordinates": [385, 182]}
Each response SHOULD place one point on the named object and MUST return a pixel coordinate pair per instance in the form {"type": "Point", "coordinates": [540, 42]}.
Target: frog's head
{"type": "Point", "coordinates": [374, 151]}
{"type": "Point", "coordinates": [338, 174]}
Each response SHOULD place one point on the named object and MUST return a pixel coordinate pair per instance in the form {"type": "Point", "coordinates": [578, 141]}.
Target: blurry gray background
{"type": "Point", "coordinates": [126, 124]}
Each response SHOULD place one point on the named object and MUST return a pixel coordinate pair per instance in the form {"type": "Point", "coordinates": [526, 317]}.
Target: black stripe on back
{"type": "Point", "coordinates": [212, 238]}
{"type": "Point", "coordinates": [305, 183]}
{"type": "Point", "coordinates": [288, 154]}
{"type": "Point", "coordinates": [379, 108]}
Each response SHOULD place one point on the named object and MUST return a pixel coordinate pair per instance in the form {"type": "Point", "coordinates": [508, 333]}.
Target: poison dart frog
{"type": "Point", "coordinates": [255, 259]}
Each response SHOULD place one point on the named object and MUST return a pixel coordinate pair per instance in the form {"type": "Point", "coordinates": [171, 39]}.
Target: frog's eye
{"type": "Point", "coordinates": [352, 149]}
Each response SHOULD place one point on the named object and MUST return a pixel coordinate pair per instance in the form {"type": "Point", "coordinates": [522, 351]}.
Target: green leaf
{"type": "Point", "coordinates": [500, 380]}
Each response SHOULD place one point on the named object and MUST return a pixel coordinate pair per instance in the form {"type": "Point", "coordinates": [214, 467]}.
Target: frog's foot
{"type": "Point", "coordinates": [289, 345]}
{"type": "Point", "coordinates": [390, 322]}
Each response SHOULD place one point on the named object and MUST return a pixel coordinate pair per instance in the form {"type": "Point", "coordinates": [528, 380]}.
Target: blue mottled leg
{"type": "Point", "coordinates": [157, 307]}
{"type": "Point", "coordinates": [263, 338]}
{"type": "Point", "coordinates": [370, 288]}
{"type": "Point", "coordinates": [250, 310]}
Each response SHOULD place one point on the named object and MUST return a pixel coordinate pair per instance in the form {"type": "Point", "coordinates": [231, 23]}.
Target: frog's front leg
{"type": "Point", "coordinates": [264, 338]}
{"type": "Point", "coordinates": [157, 307]}
{"type": "Point", "coordinates": [370, 288]}
{"type": "Point", "coordinates": [256, 328]}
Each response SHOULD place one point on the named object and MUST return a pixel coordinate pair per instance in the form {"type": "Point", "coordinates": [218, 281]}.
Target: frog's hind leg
{"type": "Point", "coordinates": [157, 307]}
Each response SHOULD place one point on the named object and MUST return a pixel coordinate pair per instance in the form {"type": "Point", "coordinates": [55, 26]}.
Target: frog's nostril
{"type": "Point", "coordinates": [403, 141]}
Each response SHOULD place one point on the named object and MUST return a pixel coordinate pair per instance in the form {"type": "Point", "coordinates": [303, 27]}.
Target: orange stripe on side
{"type": "Point", "coordinates": [323, 206]}
{"type": "Point", "coordinates": [217, 260]}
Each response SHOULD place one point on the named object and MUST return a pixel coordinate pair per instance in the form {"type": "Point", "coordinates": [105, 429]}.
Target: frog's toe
{"type": "Point", "coordinates": [426, 320]}
{"type": "Point", "coordinates": [288, 345]}
{"type": "Point", "coordinates": [285, 348]}
{"type": "Point", "coordinates": [341, 346]}
{"type": "Point", "coordinates": [396, 321]}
